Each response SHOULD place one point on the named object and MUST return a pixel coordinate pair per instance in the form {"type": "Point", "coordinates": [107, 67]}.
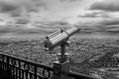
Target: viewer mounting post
{"type": "Point", "coordinates": [60, 38]}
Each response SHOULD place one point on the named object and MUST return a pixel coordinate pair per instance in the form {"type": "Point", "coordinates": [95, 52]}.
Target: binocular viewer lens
{"type": "Point", "coordinates": [59, 37]}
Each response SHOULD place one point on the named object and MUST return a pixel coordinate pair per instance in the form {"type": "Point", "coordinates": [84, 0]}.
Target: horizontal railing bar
{"type": "Point", "coordinates": [29, 62]}
{"type": "Point", "coordinates": [77, 75]}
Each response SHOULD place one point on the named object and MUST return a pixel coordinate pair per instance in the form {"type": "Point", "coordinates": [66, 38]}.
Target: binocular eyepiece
{"type": "Point", "coordinates": [59, 37]}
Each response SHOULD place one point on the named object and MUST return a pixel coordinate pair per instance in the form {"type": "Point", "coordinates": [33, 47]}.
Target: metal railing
{"type": "Point", "coordinates": [12, 67]}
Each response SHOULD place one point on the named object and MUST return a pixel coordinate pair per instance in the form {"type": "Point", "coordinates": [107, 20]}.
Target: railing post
{"type": "Point", "coordinates": [63, 65]}
{"type": "Point", "coordinates": [35, 72]}
{"type": "Point", "coordinates": [58, 68]}
{"type": "Point", "coordinates": [8, 70]}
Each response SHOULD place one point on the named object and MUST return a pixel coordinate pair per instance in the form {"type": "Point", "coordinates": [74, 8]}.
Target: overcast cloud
{"type": "Point", "coordinates": [17, 7]}
{"type": "Point", "coordinates": [106, 5]}
{"type": "Point", "coordinates": [94, 15]}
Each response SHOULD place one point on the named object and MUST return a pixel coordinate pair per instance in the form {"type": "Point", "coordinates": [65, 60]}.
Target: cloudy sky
{"type": "Point", "coordinates": [91, 15]}
{"type": "Point", "coordinates": [45, 10]}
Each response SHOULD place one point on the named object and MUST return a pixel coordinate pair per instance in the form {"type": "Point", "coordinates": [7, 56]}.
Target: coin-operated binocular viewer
{"type": "Point", "coordinates": [61, 38]}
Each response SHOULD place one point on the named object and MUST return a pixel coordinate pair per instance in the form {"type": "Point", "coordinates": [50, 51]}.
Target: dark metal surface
{"type": "Point", "coordinates": [16, 68]}
{"type": "Point", "coordinates": [79, 76]}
